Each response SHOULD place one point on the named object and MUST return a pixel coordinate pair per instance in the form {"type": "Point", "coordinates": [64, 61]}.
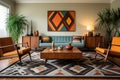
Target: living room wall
{"type": "Point", "coordinates": [115, 4]}
{"type": "Point", "coordinates": [86, 14]}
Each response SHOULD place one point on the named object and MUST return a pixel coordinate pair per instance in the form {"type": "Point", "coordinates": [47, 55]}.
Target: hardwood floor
{"type": "Point", "coordinates": [58, 79]}
{"type": "Point", "coordinates": [6, 62]}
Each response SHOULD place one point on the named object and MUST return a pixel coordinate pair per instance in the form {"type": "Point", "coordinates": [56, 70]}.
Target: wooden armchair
{"type": "Point", "coordinates": [113, 49]}
{"type": "Point", "coordinates": [8, 48]}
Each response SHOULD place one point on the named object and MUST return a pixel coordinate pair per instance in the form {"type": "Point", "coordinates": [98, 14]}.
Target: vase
{"type": "Point", "coordinates": [53, 45]}
{"type": "Point", "coordinates": [31, 34]}
{"type": "Point", "coordinates": [36, 33]}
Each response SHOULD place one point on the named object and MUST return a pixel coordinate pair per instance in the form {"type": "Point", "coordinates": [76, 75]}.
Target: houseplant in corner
{"type": "Point", "coordinates": [16, 24]}
{"type": "Point", "coordinates": [108, 21]}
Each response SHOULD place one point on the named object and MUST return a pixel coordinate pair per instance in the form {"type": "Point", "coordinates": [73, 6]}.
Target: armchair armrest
{"type": "Point", "coordinates": [17, 47]}
{"type": "Point", "coordinates": [1, 47]}
{"type": "Point", "coordinates": [19, 50]}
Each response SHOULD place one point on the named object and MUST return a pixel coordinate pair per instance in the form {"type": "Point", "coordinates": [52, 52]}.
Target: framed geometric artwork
{"type": "Point", "coordinates": [61, 20]}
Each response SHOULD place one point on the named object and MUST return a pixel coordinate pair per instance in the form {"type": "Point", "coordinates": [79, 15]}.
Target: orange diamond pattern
{"type": "Point", "coordinates": [68, 21]}
{"type": "Point", "coordinates": [57, 19]}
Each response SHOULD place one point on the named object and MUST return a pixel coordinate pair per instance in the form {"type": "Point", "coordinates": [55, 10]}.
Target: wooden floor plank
{"type": "Point", "coordinates": [59, 79]}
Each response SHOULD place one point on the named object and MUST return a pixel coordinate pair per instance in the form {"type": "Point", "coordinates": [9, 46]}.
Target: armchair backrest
{"type": "Point", "coordinates": [6, 41]}
{"type": "Point", "coordinates": [115, 46]}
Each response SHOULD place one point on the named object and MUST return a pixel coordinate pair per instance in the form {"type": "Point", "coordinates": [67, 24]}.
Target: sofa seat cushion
{"type": "Point", "coordinates": [50, 44]}
{"type": "Point", "coordinates": [10, 53]}
{"type": "Point", "coordinates": [45, 44]}
{"type": "Point", "coordinates": [61, 44]}
{"type": "Point", "coordinates": [77, 44]}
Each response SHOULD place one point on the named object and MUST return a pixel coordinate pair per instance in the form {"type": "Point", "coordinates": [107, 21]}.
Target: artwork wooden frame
{"type": "Point", "coordinates": [61, 20]}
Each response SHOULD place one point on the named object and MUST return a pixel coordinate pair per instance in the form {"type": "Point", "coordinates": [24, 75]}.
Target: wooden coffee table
{"type": "Point", "coordinates": [75, 53]}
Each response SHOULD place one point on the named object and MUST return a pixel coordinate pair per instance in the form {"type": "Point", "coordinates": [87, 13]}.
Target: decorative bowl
{"type": "Point", "coordinates": [68, 47]}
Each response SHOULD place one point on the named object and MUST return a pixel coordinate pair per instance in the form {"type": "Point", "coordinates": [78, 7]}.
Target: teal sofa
{"type": "Point", "coordinates": [62, 40]}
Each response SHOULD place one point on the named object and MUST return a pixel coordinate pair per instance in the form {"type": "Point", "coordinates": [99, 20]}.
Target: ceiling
{"type": "Point", "coordinates": [63, 1]}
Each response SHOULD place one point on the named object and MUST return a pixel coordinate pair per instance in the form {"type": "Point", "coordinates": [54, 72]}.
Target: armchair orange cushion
{"type": "Point", "coordinates": [10, 53]}
{"type": "Point", "coordinates": [101, 50]}
{"type": "Point", "coordinates": [115, 51]}
{"type": "Point", "coordinates": [24, 50]}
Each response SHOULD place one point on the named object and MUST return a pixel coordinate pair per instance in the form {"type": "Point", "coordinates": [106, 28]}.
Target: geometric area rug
{"type": "Point", "coordinates": [85, 67]}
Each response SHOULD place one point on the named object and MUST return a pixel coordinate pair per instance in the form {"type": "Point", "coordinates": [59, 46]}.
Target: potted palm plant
{"type": "Point", "coordinates": [104, 22]}
{"type": "Point", "coordinates": [108, 21]}
{"type": "Point", "coordinates": [116, 21]}
{"type": "Point", "coordinates": [16, 24]}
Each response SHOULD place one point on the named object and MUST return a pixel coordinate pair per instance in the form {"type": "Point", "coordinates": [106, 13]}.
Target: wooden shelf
{"type": "Point", "coordinates": [91, 42]}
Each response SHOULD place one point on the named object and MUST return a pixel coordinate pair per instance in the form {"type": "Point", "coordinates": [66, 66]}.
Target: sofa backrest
{"type": "Point", "coordinates": [61, 39]}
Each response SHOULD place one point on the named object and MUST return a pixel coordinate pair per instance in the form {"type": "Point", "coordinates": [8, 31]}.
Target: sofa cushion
{"type": "Point", "coordinates": [45, 44]}
{"type": "Point", "coordinates": [76, 39]}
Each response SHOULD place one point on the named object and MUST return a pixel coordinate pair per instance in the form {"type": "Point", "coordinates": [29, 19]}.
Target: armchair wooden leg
{"type": "Point", "coordinates": [20, 59]}
{"type": "Point", "coordinates": [96, 56]}
{"type": "Point", "coordinates": [30, 56]}
{"type": "Point", "coordinates": [106, 59]}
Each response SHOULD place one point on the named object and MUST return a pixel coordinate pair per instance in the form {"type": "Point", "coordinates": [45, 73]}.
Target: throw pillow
{"type": "Point", "coordinates": [76, 39]}
{"type": "Point", "coordinates": [45, 39]}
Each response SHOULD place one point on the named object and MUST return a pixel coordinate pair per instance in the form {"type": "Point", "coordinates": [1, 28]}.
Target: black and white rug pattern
{"type": "Point", "coordinates": [85, 67]}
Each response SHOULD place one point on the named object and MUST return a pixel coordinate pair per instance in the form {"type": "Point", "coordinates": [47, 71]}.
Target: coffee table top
{"type": "Point", "coordinates": [73, 50]}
